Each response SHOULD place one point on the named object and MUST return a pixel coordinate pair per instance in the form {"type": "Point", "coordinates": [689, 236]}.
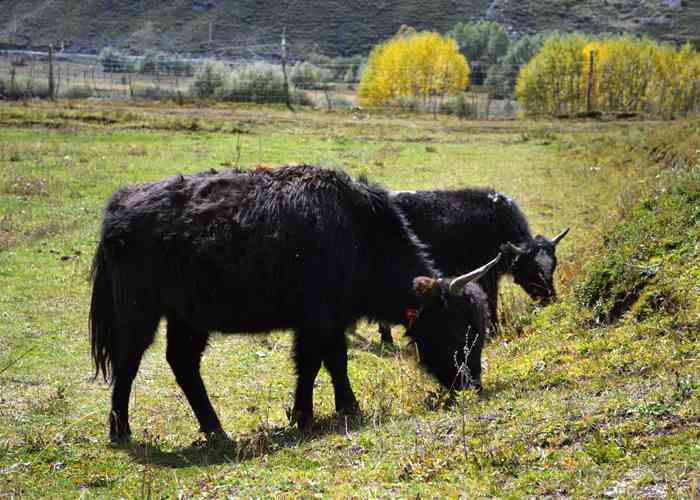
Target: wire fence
{"type": "Point", "coordinates": [80, 76]}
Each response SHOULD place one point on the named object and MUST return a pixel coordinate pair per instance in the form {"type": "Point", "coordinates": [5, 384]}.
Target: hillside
{"type": "Point", "coordinates": [250, 28]}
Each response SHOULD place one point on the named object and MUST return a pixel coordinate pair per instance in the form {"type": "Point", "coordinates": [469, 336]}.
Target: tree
{"type": "Point", "coordinates": [629, 75]}
{"type": "Point", "coordinates": [502, 76]}
{"type": "Point", "coordinates": [483, 41]}
{"type": "Point", "coordinates": [413, 65]}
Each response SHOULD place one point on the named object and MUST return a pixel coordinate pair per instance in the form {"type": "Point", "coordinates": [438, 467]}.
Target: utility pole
{"type": "Point", "coordinates": [284, 68]}
{"type": "Point", "coordinates": [211, 30]}
{"type": "Point", "coordinates": [589, 93]}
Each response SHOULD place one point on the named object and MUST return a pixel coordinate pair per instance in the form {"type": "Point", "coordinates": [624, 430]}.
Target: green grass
{"type": "Point", "coordinates": [576, 403]}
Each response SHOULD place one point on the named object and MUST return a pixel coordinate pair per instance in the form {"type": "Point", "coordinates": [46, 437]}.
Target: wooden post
{"type": "Point", "coordinates": [52, 85]}
{"type": "Point", "coordinates": [589, 92]}
{"type": "Point", "coordinates": [284, 69]}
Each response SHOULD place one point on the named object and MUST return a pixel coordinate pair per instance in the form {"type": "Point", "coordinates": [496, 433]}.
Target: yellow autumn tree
{"type": "Point", "coordinates": [411, 65]}
{"type": "Point", "coordinates": [628, 75]}
{"type": "Point", "coordinates": [551, 82]}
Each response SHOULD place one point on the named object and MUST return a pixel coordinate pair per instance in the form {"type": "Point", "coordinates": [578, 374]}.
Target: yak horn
{"type": "Point", "coordinates": [560, 236]}
{"type": "Point", "coordinates": [458, 283]}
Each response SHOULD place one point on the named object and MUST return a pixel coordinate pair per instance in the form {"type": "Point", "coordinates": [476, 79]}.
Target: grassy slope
{"type": "Point", "coordinates": [330, 27]}
{"type": "Point", "coordinates": [648, 17]}
{"type": "Point", "coordinates": [575, 405]}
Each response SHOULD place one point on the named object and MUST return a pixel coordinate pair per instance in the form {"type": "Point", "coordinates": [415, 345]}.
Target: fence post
{"type": "Point", "coordinates": [51, 82]}
{"type": "Point", "coordinates": [284, 68]}
{"type": "Point", "coordinates": [589, 91]}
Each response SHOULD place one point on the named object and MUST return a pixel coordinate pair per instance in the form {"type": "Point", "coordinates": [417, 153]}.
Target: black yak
{"type": "Point", "coordinates": [298, 248]}
{"type": "Point", "coordinates": [465, 228]}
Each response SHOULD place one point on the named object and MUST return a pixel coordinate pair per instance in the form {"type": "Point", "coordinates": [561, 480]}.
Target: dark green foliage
{"type": "Point", "coordinates": [484, 41]}
{"type": "Point", "coordinates": [502, 76]}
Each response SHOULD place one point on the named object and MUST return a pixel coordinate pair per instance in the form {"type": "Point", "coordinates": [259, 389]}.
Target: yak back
{"type": "Point", "coordinates": [463, 228]}
{"type": "Point", "coordinates": [265, 249]}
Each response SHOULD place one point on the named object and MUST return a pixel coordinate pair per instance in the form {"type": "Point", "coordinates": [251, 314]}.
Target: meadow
{"type": "Point", "coordinates": [573, 406]}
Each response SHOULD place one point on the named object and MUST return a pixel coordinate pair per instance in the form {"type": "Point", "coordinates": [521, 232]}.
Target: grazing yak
{"type": "Point", "coordinates": [298, 248]}
{"type": "Point", "coordinates": [465, 228]}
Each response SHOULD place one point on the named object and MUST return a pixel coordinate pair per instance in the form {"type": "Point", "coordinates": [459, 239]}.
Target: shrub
{"type": "Point", "coordinates": [257, 82]}
{"type": "Point", "coordinates": [78, 92]}
{"type": "Point", "coordinates": [307, 76]}
{"type": "Point", "coordinates": [154, 92]}
{"type": "Point", "coordinates": [459, 106]}
{"type": "Point", "coordinates": [113, 61]}
{"type": "Point", "coordinates": [209, 78]}
{"type": "Point", "coordinates": [413, 65]}
{"type": "Point", "coordinates": [23, 89]}
{"type": "Point", "coordinates": [148, 63]}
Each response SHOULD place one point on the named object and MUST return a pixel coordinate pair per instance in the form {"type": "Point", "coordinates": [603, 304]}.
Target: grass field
{"type": "Point", "coordinates": [574, 405]}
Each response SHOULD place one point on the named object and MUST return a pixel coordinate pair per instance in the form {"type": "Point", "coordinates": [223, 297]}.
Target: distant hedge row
{"type": "Point", "coordinates": [152, 62]}
{"type": "Point", "coordinates": [629, 75]}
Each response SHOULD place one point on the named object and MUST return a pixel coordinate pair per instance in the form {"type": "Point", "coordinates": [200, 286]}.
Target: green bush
{"type": "Point", "coordinates": [148, 63]}
{"type": "Point", "coordinates": [209, 79]}
{"type": "Point", "coordinates": [77, 92]}
{"type": "Point", "coordinates": [23, 89]}
{"type": "Point", "coordinates": [308, 76]}
{"type": "Point", "coordinates": [257, 82]}
{"type": "Point", "coordinates": [459, 106]}
{"type": "Point", "coordinates": [113, 61]}
{"type": "Point", "coordinates": [154, 93]}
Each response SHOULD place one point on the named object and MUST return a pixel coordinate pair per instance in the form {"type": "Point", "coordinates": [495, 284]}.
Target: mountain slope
{"type": "Point", "coordinates": [248, 27]}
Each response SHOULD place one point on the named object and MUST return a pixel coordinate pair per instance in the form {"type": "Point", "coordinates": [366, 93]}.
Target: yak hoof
{"type": "Point", "coordinates": [350, 409]}
{"type": "Point", "coordinates": [216, 437]}
{"type": "Point", "coordinates": [303, 420]}
{"type": "Point", "coordinates": [119, 439]}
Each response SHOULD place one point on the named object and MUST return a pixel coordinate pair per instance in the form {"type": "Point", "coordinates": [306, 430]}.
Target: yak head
{"type": "Point", "coordinates": [532, 265]}
{"type": "Point", "coordinates": [448, 324]}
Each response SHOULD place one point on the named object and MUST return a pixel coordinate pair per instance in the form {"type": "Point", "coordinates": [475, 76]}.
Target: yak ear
{"type": "Point", "coordinates": [512, 249]}
{"type": "Point", "coordinates": [511, 253]}
{"type": "Point", "coordinates": [426, 288]}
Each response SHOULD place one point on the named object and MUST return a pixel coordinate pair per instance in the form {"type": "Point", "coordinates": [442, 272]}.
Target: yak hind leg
{"type": "Point", "coordinates": [134, 338]}
{"type": "Point", "coordinates": [335, 359]}
{"type": "Point", "coordinates": [184, 354]}
{"type": "Point", "coordinates": [307, 358]}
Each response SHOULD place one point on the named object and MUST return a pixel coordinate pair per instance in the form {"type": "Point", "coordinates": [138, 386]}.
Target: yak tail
{"type": "Point", "coordinates": [102, 316]}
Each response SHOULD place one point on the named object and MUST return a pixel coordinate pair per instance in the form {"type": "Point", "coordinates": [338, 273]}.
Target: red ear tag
{"type": "Point", "coordinates": [411, 316]}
